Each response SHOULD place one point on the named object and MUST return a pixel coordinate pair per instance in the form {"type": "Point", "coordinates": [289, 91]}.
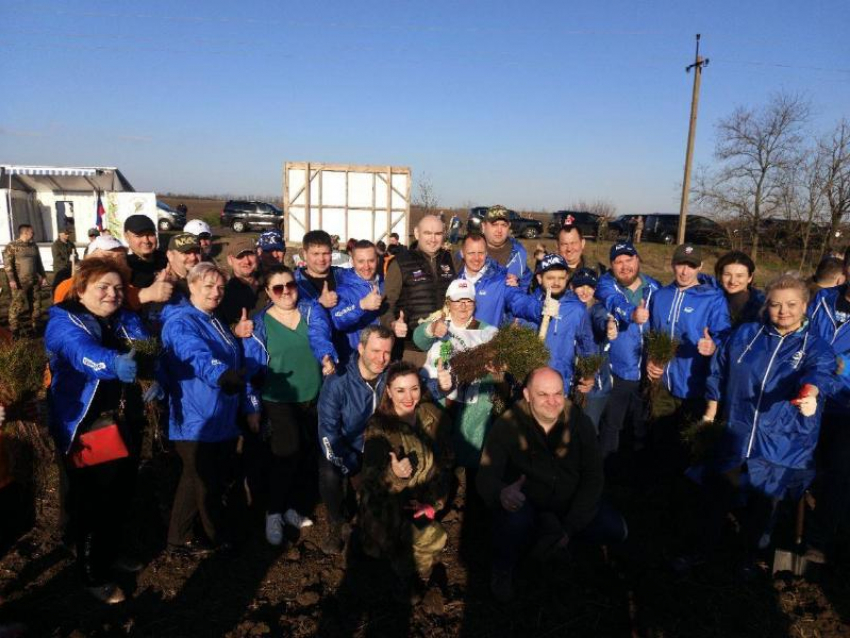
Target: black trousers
{"type": "Point", "coordinates": [292, 441]}
{"type": "Point", "coordinates": [207, 468]}
{"type": "Point", "coordinates": [98, 501]}
{"type": "Point", "coordinates": [337, 492]}
{"type": "Point", "coordinates": [625, 410]}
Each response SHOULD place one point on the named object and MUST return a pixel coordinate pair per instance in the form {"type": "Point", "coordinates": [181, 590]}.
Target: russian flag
{"type": "Point", "coordinates": [101, 213]}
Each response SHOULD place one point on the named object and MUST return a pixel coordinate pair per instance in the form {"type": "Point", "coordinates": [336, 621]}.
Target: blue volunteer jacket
{"type": "Point", "coordinates": [318, 333]}
{"type": "Point", "coordinates": [517, 265]}
{"type": "Point", "coordinates": [493, 297]}
{"type": "Point", "coordinates": [348, 317]}
{"type": "Point", "coordinates": [756, 374]}
{"type": "Point", "coordinates": [626, 351]}
{"type": "Point", "coordinates": [345, 404]}
{"type": "Point", "coordinates": [197, 350]}
{"type": "Point", "coordinates": [569, 332]}
{"type": "Point", "coordinates": [599, 325]}
{"type": "Point", "coordinates": [308, 293]}
{"type": "Point", "coordinates": [78, 363]}
{"type": "Point", "coordinates": [825, 323]}
{"type": "Point", "coordinates": [684, 314]}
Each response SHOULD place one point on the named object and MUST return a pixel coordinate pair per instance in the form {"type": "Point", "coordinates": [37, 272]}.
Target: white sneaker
{"type": "Point", "coordinates": [274, 529]}
{"type": "Point", "coordinates": [294, 519]}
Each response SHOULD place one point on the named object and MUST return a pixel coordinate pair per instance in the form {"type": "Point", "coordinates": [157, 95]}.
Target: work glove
{"type": "Point", "coordinates": [125, 366]}
{"type": "Point", "coordinates": [153, 393]}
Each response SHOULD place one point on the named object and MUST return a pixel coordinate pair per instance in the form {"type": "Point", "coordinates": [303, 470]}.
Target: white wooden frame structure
{"type": "Point", "coordinates": [349, 200]}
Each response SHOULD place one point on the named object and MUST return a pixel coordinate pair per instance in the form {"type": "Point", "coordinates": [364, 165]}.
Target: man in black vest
{"type": "Point", "coordinates": [415, 286]}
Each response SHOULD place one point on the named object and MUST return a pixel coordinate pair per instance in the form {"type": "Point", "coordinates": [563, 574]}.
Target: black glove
{"type": "Point", "coordinates": [231, 382]}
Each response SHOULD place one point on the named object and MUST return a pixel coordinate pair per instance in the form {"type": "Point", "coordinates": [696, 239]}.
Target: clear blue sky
{"type": "Point", "coordinates": [533, 105]}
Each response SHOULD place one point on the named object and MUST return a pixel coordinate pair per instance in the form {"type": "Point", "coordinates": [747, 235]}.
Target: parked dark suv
{"type": "Point", "coordinates": [663, 227]}
{"type": "Point", "coordinates": [520, 226]}
{"type": "Point", "coordinates": [588, 223]}
{"type": "Point", "coordinates": [243, 215]}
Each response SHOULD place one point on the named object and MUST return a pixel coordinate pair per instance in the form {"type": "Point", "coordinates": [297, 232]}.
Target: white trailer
{"type": "Point", "coordinates": [53, 198]}
{"type": "Point", "coordinates": [349, 200]}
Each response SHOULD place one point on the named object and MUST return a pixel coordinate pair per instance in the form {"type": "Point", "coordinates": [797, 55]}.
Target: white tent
{"type": "Point", "coordinates": [52, 198]}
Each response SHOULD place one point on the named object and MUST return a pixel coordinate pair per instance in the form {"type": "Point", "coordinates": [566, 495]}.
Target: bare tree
{"type": "Point", "coordinates": [755, 148]}
{"type": "Point", "coordinates": [426, 196]}
{"type": "Point", "coordinates": [835, 152]}
{"type": "Point", "coordinates": [802, 204]}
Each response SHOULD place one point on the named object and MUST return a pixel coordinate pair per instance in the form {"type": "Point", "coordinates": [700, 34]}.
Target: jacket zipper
{"type": "Point", "coordinates": [761, 394]}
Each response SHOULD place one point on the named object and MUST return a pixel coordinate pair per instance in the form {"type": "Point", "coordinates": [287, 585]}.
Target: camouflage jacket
{"type": "Point", "coordinates": [22, 262]}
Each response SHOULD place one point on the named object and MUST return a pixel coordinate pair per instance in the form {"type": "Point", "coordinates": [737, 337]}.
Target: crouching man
{"type": "Point", "coordinates": [541, 473]}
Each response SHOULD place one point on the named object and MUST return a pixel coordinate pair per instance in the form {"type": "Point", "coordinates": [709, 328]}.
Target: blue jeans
{"type": "Point", "coordinates": [514, 531]}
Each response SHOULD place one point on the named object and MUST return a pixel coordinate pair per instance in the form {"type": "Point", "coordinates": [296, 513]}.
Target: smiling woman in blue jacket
{"type": "Point", "coordinates": [772, 378]}
{"type": "Point", "coordinates": [86, 341]}
{"type": "Point", "coordinates": [207, 390]}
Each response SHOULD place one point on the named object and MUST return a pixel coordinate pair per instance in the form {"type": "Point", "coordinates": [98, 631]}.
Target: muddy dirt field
{"type": "Point", "coordinates": [298, 591]}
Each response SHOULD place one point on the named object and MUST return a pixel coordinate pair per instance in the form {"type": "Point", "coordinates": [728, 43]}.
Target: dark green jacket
{"type": "Point", "coordinates": [562, 475]}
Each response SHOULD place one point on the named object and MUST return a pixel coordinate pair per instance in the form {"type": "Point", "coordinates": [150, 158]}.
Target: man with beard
{"type": "Point", "coordinates": [200, 229]}
{"type": "Point", "coordinates": [242, 290]}
{"type": "Point", "coordinates": [504, 249]}
{"type": "Point", "coordinates": [416, 285]}
{"type": "Point", "coordinates": [625, 292]}
{"type": "Point", "coordinates": [569, 330]}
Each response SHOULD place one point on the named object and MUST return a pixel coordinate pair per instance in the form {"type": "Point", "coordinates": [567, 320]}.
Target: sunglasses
{"type": "Point", "coordinates": [289, 286]}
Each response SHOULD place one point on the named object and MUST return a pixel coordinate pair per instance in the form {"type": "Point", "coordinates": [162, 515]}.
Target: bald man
{"type": "Point", "coordinates": [541, 474]}
{"type": "Point", "coordinates": [415, 286]}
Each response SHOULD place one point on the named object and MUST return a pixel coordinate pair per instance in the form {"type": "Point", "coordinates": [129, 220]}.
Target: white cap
{"type": "Point", "coordinates": [460, 289]}
{"type": "Point", "coordinates": [104, 242]}
{"type": "Point", "coordinates": [197, 227]}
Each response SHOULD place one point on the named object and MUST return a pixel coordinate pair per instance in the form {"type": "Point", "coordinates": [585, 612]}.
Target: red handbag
{"type": "Point", "coordinates": [101, 444]}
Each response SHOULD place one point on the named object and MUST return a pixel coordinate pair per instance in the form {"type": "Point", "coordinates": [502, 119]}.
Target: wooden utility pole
{"type": "Point", "coordinates": [697, 66]}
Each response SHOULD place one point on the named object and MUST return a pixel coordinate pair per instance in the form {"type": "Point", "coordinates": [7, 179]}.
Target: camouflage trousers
{"type": "Point", "coordinates": [25, 307]}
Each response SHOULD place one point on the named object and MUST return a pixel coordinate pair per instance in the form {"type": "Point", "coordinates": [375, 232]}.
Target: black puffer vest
{"type": "Point", "coordinates": [424, 283]}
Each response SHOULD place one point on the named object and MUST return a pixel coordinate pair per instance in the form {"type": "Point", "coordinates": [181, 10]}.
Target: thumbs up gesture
{"type": "Point", "coordinates": [402, 469]}
{"type": "Point", "coordinates": [399, 326]}
{"type": "Point", "coordinates": [511, 496]}
{"type": "Point", "coordinates": [244, 327]}
{"type": "Point", "coordinates": [125, 366]}
{"type": "Point", "coordinates": [160, 290]}
{"type": "Point", "coordinates": [706, 345]}
{"type": "Point", "coordinates": [440, 328]}
{"type": "Point", "coordinates": [373, 300]}
{"type": "Point", "coordinates": [444, 376]}
{"type": "Point", "coordinates": [641, 314]}
{"type": "Point", "coordinates": [611, 330]}
{"type": "Point", "coordinates": [328, 298]}
{"type": "Point", "coordinates": [551, 306]}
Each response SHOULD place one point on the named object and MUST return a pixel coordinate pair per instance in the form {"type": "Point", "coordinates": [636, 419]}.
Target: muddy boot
{"type": "Point", "coordinates": [334, 542]}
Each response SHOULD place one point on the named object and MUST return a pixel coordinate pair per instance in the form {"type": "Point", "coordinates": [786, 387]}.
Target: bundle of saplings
{"type": "Point", "coordinates": [514, 350]}
{"type": "Point", "coordinates": [25, 446]}
{"type": "Point", "coordinates": [586, 368]}
{"type": "Point", "coordinates": [147, 359]}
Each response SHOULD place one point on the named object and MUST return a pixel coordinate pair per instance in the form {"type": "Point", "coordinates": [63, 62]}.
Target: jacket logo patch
{"type": "Point", "coordinates": [94, 365]}
{"type": "Point", "coordinates": [687, 309]}
{"type": "Point", "coordinates": [797, 358]}
{"type": "Point", "coordinates": [417, 273]}
{"type": "Point", "coordinates": [216, 362]}
{"type": "Point", "coordinates": [445, 268]}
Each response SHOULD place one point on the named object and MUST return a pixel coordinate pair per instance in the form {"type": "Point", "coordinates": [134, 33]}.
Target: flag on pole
{"type": "Point", "coordinates": [101, 213]}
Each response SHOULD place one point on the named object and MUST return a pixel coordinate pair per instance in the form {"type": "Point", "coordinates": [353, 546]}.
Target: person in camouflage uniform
{"type": "Point", "coordinates": [407, 468]}
{"type": "Point", "coordinates": [25, 274]}
{"type": "Point", "coordinates": [64, 256]}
